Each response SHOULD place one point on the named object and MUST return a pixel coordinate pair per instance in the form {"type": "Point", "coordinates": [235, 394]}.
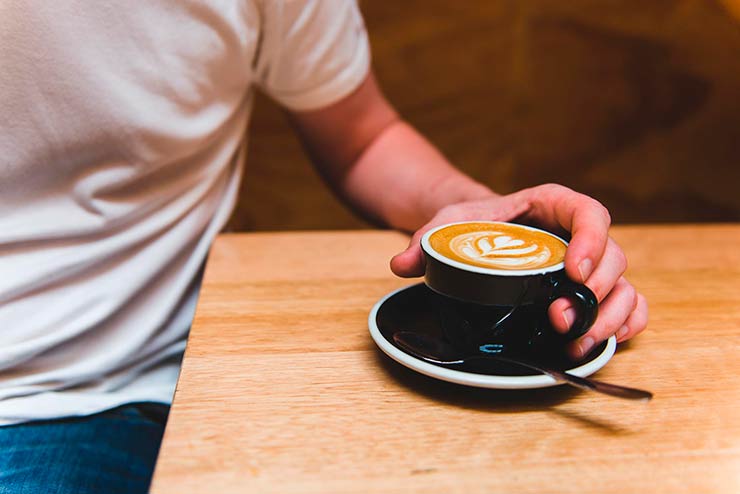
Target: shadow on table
{"type": "Point", "coordinates": [496, 400]}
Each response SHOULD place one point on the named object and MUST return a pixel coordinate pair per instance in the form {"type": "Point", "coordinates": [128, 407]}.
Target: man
{"type": "Point", "coordinates": [121, 153]}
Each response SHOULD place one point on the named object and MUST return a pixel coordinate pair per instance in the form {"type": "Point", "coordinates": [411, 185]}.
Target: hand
{"type": "Point", "coordinates": [592, 258]}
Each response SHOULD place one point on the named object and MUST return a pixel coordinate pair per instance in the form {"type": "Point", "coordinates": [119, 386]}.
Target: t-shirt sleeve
{"type": "Point", "coordinates": [312, 53]}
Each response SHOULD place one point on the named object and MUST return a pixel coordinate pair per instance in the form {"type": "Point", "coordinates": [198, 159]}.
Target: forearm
{"type": "Point", "coordinates": [378, 164]}
{"type": "Point", "coordinates": [401, 180]}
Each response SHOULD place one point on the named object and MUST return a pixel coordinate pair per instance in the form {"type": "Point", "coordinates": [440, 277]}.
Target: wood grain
{"type": "Point", "coordinates": [282, 390]}
{"type": "Point", "coordinates": [634, 103]}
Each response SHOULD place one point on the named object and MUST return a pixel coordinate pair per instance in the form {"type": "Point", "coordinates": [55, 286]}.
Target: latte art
{"type": "Point", "coordinates": [498, 246]}
{"type": "Point", "coordinates": [498, 250]}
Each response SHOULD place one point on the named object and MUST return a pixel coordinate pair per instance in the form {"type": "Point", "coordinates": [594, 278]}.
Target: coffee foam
{"type": "Point", "coordinates": [498, 246]}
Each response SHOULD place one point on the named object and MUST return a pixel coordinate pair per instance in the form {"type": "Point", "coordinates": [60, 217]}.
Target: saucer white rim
{"type": "Point", "coordinates": [472, 379]}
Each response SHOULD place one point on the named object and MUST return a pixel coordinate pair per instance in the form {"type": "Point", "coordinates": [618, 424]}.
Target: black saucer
{"type": "Point", "coordinates": [413, 309]}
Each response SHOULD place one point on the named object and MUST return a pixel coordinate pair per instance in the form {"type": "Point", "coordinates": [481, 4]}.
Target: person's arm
{"type": "Point", "coordinates": [378, 164]}
{"type": "Point", "coordinates": [389, 173]}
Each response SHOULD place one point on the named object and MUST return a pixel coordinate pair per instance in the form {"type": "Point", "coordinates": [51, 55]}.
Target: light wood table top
{"type": "Point", "coordinates": [283, 390]}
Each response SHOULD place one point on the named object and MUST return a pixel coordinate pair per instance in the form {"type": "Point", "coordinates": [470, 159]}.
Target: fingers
{"type": "Point", "coordinates": [636, 323]}
{"type": "Point", "coordinates": [590, 233]}
{"type": "Point", "coordinates": [622, 307]}
{"type": "Point", "coordinates": [610, 269]}
{"type": "Point", "coordinates": [612, 266]}
{"type": "Point", "coordinates": [562, 315]}
{"type": "Point", "coordinates": [588, 221]}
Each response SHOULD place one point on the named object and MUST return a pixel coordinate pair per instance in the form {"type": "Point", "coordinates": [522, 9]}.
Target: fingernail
{"type": "Point", "coordinates": [586, 344]}
{"type": "Point", "coordinates": [585, 268]}
{"type": "Point", "coordinates": [622, 332]}
{"type": "Point", "coordinates": [569, 315]}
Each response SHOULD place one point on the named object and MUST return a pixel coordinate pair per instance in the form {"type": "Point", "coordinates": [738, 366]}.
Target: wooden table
{"type": "Point", "coordinates": [283, 390]}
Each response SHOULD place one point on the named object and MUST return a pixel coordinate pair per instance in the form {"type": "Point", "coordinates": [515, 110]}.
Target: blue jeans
{"type": "Point", "coordinates": [109, 452]}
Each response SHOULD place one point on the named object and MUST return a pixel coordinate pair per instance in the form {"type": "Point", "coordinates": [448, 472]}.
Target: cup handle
{"type": "Point", "coordinates": [585, 302]}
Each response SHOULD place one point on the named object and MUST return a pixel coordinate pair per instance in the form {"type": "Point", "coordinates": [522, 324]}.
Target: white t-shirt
{"type": "Point", "coordinates": [122, 129]}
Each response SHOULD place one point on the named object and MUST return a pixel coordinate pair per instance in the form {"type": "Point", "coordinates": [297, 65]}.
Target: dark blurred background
{"type": "Point", "coordinates": [634, 103]}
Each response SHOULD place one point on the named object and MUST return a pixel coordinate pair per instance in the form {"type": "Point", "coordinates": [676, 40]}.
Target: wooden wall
{"type": "Point", "coordinates": [635, 103]}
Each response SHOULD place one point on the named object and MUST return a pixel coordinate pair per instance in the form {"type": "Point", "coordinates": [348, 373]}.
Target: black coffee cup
{"type": "Point", "coordinates": [491, 308]}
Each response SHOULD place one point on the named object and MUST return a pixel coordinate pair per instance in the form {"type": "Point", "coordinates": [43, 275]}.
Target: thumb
{"type": "Point", "coordinates": [410, 262]}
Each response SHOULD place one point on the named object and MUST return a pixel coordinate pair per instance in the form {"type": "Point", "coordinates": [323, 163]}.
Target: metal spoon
{"type": "Point", "coordinates": [438, 352]}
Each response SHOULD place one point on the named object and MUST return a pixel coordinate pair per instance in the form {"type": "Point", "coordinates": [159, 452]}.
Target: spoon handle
{"type": "Point", "coordinates": [580, 382]}
{"type": "Point", "coordinates": [436, 351]}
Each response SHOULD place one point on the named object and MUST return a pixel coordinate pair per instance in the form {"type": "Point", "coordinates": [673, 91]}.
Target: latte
{"type": "Point", "coordinates": [503, 246]}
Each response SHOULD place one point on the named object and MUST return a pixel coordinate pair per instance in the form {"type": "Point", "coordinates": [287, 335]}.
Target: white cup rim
{"type": "Point", "coordinates": [427, 248]}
